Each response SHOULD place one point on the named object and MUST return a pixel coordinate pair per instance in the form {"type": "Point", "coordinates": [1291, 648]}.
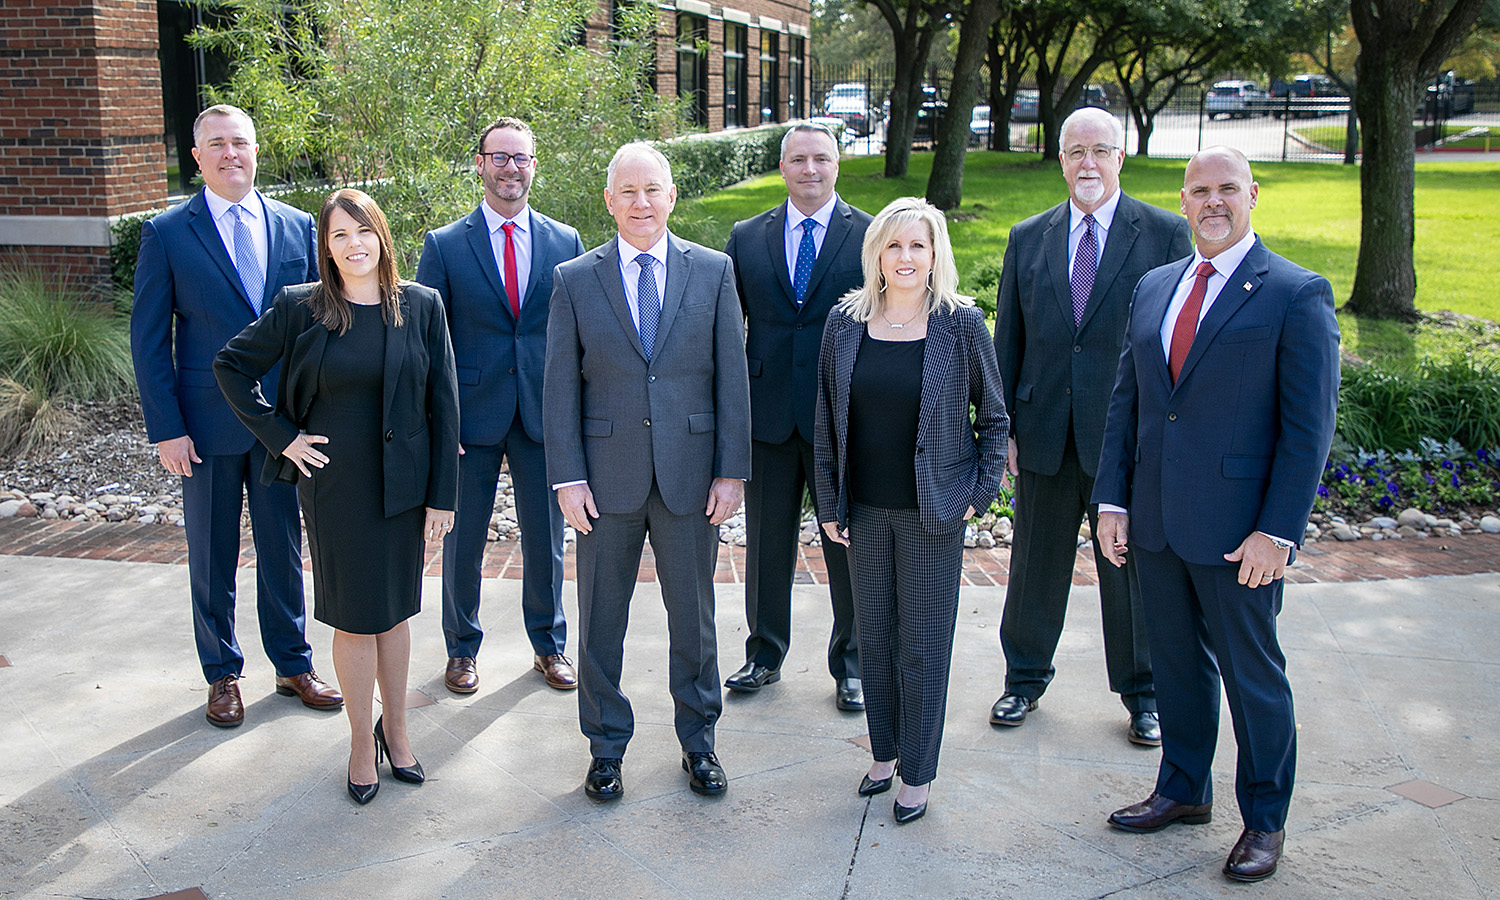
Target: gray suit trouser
{"type": "Point", "coordinates": [686, 550]}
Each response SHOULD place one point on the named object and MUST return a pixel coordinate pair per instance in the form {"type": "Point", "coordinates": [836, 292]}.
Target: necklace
{"type": "Point", "coordinates": [897, 326]}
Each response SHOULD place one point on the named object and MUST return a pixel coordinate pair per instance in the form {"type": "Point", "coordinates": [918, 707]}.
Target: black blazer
{"type": "Point", "coordinates": [1056, 373]}
{"type": "Point", "coordinates": [419, 418]}
{"type": "Point", "coordinates": [960, 456]}
{"type": "Point", "coordinates": [782, 340]}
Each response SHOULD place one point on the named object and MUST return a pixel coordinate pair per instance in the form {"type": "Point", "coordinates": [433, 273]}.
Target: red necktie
{"type": "Point", "coordinates": [1187, 320]}
{"type": "Point", "coordinates": [511, 286]}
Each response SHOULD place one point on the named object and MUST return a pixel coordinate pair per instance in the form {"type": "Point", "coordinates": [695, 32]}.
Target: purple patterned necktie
{"type": "Point", "coordinates": [1085, 265]}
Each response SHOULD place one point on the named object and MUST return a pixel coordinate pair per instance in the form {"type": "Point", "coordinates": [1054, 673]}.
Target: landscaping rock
{"type": "Point", "coordinates": [1490, 524]}
{"type": "Point", "coordinates": [1342, 532]}
{"type": "Point", "coordinates": [9, 508]}
{"type": "Point", "coordinates": [1412, 518]}
{"type": "Point", "coordinates": [1383, 522]}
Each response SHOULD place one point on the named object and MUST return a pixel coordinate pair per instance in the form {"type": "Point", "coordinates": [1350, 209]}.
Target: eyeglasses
{"type": "Point", "coordinates": [1101, 152]}
{"type": "Point", "coordinates": [522, 160]}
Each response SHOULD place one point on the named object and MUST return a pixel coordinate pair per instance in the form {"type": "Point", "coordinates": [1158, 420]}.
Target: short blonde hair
{"type": "Point", "coordinates": [862, 303]}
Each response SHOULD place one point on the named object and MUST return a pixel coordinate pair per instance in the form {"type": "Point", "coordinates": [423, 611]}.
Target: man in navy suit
{"type": "Point", "coordinates": [790, 274]}
{"type": "Point", "coordinates": [1061, 309]}
{"type": "Point", "coordinates": [494, 270]}
{"type": "Point", "coordinates": [206, 269]}
{"type": "Point", "coordinates": [1222, 416]}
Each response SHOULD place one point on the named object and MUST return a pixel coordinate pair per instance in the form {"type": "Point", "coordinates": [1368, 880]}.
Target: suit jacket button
{"type": "Point", "coordinates": [1068, 390]}
{"type": "Point", "coordinates": [1077, 349]}
{"type": "Point", "coordinates": [799, 326]}
{"type": "Point", "coordinates": [390, 436]}
{"type": "Point", "coordinates": [646, 422]}
{"type": "Point", "coordinates": [1171, 417]}
{"type": "Point", "coordinates": [512, 370]}
{"type": "Point", "coordinates": [650, 377]}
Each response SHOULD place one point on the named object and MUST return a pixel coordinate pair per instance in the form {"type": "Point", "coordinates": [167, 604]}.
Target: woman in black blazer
{"type": "Point", "coordinates": [910, 442]}
{"type": "Point", "coordinates": [365, 423]}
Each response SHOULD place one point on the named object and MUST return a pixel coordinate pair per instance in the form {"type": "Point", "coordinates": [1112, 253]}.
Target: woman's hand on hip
{"type": "Point", "coordinates": [439, 523]}
{"type": "Point", "coordinates": [302, 452]}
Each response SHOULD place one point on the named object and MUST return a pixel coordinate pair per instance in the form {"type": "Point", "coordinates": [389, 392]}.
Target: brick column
{"type": "Point", "coordinates": [81, 131]}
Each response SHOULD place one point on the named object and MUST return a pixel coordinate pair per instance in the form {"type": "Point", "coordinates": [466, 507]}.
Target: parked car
{"type": "Point", "coordinates": [1449, 96]}
{"type": "Point", "coordinates": [979, 126]}
{"type": "Point", "coordinates": [1307, 95]}
{"type": "Point", "coordinates": [1235, 99]}
{"type": "Point", "coordinates": [1025, 107]}
{"type": "Point", "coordinates": [1092, 95]}
{"type": "Point", "coordinates": [929, 115]}
{"type": "Point", "coordinates": [850, 103]}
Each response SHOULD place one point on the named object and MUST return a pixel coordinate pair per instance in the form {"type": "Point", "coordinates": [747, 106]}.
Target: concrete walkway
{"type": "Point", "coordinates": [112, 785]}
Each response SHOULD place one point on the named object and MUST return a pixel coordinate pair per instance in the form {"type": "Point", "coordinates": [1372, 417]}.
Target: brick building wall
{"type": "Point", "coordinates": [80, 130]}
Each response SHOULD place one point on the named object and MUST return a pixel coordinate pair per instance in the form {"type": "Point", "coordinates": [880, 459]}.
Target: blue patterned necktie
{"type": "Point", "coordinates": [1085, 266]}
{"type": "Point", "coordinates": [647, 303]}
{"type": "Point", "coordinates": [807, 254]}
{"type": "Point", "coordinates": [245, 261]}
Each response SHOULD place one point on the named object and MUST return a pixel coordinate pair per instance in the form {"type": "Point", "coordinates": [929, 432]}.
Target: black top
{"type": "Point", "coordinates": [885, 400]}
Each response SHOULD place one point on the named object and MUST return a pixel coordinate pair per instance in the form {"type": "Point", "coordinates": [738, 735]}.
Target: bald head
{"type": "Point", "coordinates": [1217, 196]}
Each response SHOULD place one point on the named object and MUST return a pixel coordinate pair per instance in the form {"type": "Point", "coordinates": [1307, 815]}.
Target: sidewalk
{"type": "Point", "coordinates": [112, 785]}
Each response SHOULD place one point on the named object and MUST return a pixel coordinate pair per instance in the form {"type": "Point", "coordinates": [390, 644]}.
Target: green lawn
{"type": "Point", "coordinates": [1332, 136]}
{"type": "Point", "coordinates": [1307, 212]}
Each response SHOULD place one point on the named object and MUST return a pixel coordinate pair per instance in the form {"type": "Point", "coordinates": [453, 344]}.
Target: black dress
{"type": "Point", "coordinates": [367, 569]}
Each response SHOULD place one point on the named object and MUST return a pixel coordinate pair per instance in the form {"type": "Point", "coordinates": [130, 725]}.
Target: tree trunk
{"type": "Point", "coordinates": [945, 184]}
{"type": "Point", "coordinates": [1385, 96]}
{"type": "Point", "coordinates": [1351, 137]}
{"type": "Point", "coordinates": [1144, 125]}
{"type": "Point", "coordinates": [912, 47]}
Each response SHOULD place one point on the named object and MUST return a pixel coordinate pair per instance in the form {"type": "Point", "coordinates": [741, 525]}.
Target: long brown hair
{"type": "Point", "coordinates": [328, 302]}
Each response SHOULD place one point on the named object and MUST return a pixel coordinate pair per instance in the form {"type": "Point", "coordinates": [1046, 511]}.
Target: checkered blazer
{"type": "Point", "coordinates": [961, 430]}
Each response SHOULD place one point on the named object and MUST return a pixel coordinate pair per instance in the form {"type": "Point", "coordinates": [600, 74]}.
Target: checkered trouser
{"type": "Point", "coordinates": [906, 599]}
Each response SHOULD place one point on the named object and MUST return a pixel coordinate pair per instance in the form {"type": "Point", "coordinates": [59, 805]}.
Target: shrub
{"type": "Point", "coordinates": [704, 163]}
{"type": "Point", "coordinates": [1437, 477]}
{"type": "Point", "coordinates": [127, 246]}
{"type": "Point", "coordinates": [54, 347]}
{"type": "Point", "coordinates": [1382, 407]}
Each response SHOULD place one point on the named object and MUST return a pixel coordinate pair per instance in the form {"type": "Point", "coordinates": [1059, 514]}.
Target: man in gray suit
{"type": "Point", "coordinates": [647, 434]}
{"type": "Point", "coordinates": [1064, 299]}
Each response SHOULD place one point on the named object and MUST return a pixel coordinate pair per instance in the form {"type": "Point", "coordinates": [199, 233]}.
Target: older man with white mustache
{"type": "Point", "coordinates": [1064, 298]}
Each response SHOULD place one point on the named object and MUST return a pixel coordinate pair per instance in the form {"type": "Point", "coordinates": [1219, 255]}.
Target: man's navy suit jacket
{"type": "Point", "coordinates": [1238, 444]}
{"type": "Point", "coordinates": [189, 301]}
{"type": "Point", "coordinates": [500, 360]}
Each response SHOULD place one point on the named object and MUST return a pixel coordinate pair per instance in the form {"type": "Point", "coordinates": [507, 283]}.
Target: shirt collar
{"type": "Point", "coordinates": [218, 206]}
{"type": "Point", "coordinates": [628, 253]}
{"type": "Point", "coordinates": [1225, 263]}
{"type": "Point", "coordinates": [822, 216]}
{"type": "Point", "coordinates": [1104, 216]}
{"type": "Point", "coordinates": [493, 220]}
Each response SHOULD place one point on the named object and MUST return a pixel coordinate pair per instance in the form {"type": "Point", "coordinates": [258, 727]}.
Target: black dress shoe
{"type": "Point", "coordinates": [751, 677]}
{"type": "Point", "coordinates": [1255, 855]}
{"type": "Point", "coordinates": [705, 775]}
{"type": "Point", "coordinates": [904, 814]}
{"type": "Point", "coordinates": [850, 696]}
{"type": "Point", "coordinates": [869, 787]}
{"type": "Point", "coordinates": [411, 774]}
{"type": "Point", "coordinates": [603, 782]}
{"type": "Point", "coordinates": [363, 793]}
{"type": "Point", "coordinates": [1011, 709]}
{"type": "Point", "coordinates": [1145, 729]}
{"type": "Point", "coordinates": [1157, 812]}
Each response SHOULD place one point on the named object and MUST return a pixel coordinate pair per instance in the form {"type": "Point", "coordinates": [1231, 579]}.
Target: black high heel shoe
{"type": "Point", "coordinates": [364, 793]}
{"type": "Point", "coordinates": [869, 787]}
{"type": "Point", "coordinates": [412, 774]}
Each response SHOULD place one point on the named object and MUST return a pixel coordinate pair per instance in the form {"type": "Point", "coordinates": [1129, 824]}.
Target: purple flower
{"type": "Point", "coordinates": [1454, 480]}
{"type": "Point", "coordinates": [1392, 488]}
{"type": "Point", "coordinates": [1384, 501]}
{"type": "Point", "coordinates": [1447, 463]}
{"type": "Point", "coordinates": [1322, 490]}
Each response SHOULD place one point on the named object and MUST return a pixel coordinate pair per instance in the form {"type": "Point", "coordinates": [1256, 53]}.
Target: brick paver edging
{"type": "Point", "coordinates": [1327, 561]}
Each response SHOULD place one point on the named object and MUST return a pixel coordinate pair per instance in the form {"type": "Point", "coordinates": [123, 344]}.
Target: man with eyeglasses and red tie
{"type": "Point", "coordinates": [1064, 296]}
{"type": "Point", "coordinates": [494, 268]}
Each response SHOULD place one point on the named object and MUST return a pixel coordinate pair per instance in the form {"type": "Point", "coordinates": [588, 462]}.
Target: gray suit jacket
{"type": "Point", "coordinates": [961, 429]}
{"type": "Point", "coordinates": [616, 421]}
{"type": "Point", "coordinates": [1056, 373]}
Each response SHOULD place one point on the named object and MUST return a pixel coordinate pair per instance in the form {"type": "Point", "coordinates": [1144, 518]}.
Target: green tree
{"type": "Point", "coordinates": [1403, 44]}
{"type": "Point", "coordinates": [390, 95]}
{"type": "Point", "coordinates": [914, 24]}
{"type": "Point", "coordinates": [945, 184]}
{"type": "Point", "coordinates": [1051, 28]}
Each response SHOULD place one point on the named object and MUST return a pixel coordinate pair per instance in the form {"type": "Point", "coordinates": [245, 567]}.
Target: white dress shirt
{"type": "Point", "coordinates": [630, 273]}
{"type": "Point", "coordinates": [254, 215]}
{"type": "Point", "coordinates": [1104, 217]}
{"type": "Point", "coordinates": [791, 233]}
{"type": "Point", "coordinates": [522, 239]}
{"type": "Point", "coordinates": [1224, 265]}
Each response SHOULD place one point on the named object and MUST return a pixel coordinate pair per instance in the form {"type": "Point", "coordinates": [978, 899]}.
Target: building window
{"type": "Point", "coordinates": [735, 75]}
{"type": "Point", "coordinates": [692, 65]}
{"type": "Point", "coordinates": [770, 72]}
{"type": "Point", "coordinates": [795, 102]}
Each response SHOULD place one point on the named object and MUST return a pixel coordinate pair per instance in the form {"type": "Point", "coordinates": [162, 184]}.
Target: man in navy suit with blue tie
{"type": "Point", "coordinates": [494, 270]}
{"type": "Point", "coordinates": [1219, 425]}
{"type": "Point", "coordinates": [206, 269]}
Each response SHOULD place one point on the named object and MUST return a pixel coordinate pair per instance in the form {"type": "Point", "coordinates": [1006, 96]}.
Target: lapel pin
{"type": "Point", "coordinates": [1247, 285]}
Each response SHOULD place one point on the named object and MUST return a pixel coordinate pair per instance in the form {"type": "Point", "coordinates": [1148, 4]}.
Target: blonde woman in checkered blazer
{"type": "Point", "coordinates": [910, 441]}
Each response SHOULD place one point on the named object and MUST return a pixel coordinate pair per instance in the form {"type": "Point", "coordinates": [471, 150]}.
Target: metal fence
{"type": "Point", "coordinates": [1264, 128]}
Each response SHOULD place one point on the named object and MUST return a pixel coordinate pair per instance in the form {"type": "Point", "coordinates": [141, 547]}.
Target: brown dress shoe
{"type": "Point", "coordinates": [314, 693]}
{"type": "Point", "coordinates": [1255, 855]}
{"type": "Point", "coordinates": [558, 670]}
{"type": "Point", "coordinates": [462, 675]}
{"type": "Point", "coordinates": [1157, 812]}
{"type": "Point", "coordinates": [224, 707]}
